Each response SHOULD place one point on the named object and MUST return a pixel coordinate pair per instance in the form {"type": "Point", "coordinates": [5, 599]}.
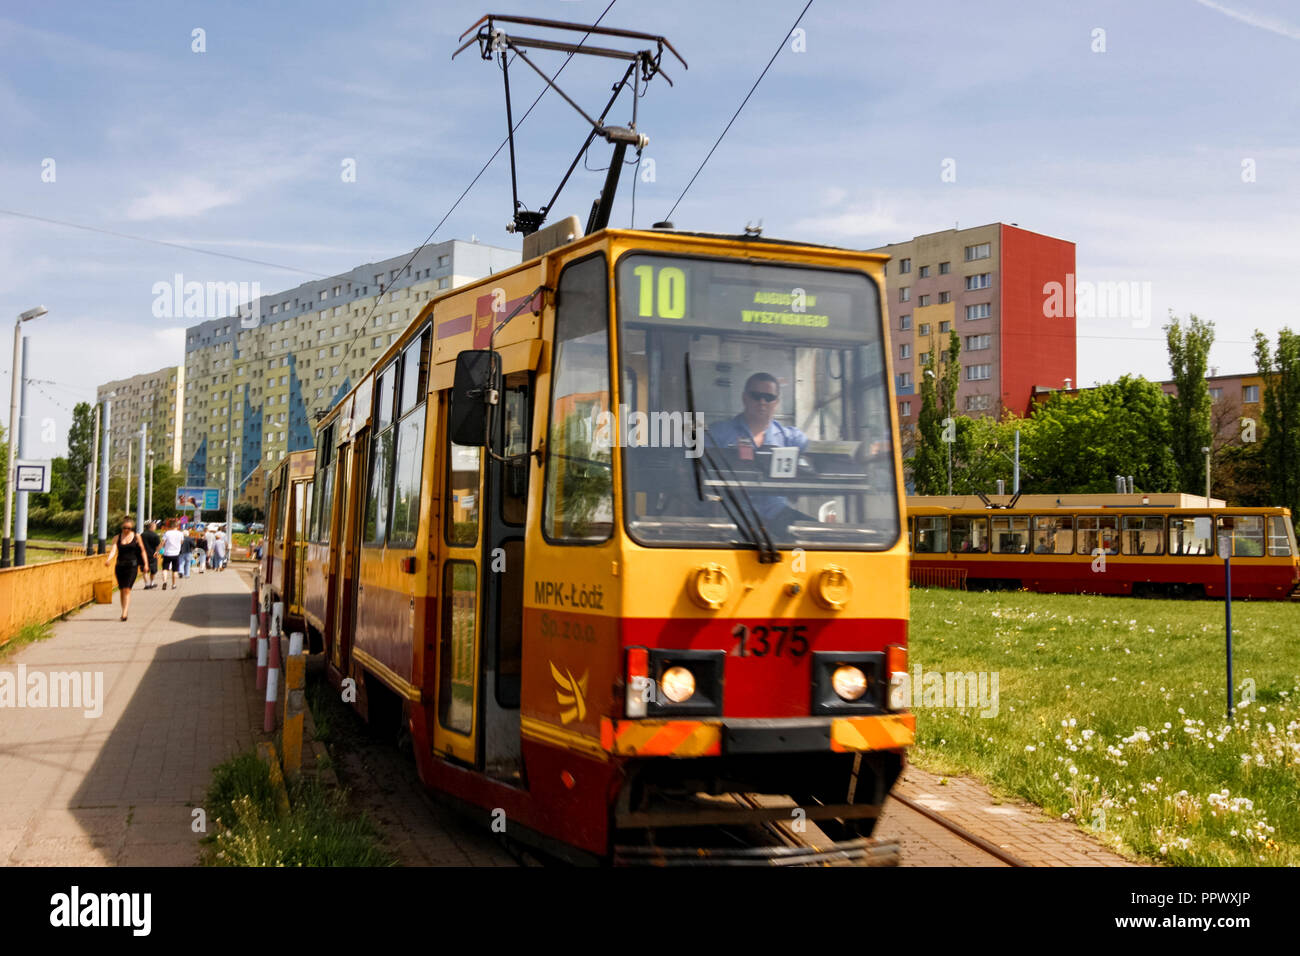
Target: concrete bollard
{"type": "Point", "coordinates": [295, 703]}
{"type": "Point", "coordinates": [272, 682]}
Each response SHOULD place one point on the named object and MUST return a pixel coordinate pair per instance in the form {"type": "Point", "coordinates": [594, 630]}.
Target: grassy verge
{"type": "Point", "coordinates": [249, 829]}
{"type": "Point", "coordinates": [28, 634]}
{"type": "Point", "coordinates": [1111, 713]}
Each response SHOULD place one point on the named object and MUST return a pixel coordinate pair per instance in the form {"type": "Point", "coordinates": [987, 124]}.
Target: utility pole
{"type": "Point", "coordinates": [150, 504]}
{"type": "Point", "coordinates": [20, 507]}
{"type": "Point", "coordinates": [92, 474]}
{"type": "Point", "coordinates": [103, 471]}
{"type": "Point", "coordinates": [12, 469]}
{"type": "Point", "coordinates": [139, 494]}
{"type": "Point", "coordinates": [1206, 452]}
{"type": "Point", "coordinates": [126, 502]}
{"type": "Point", "coordinates": [1015, 487]}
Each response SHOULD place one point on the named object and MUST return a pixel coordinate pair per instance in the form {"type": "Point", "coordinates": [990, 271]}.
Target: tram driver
{"type": "Point", "coordinates": [756, 427]}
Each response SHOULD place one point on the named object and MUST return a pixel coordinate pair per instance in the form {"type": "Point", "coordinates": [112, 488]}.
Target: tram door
{"type": "Point", "coordinates": [481, 625]}
{"type": "Point", "coordinates": [344, 585]}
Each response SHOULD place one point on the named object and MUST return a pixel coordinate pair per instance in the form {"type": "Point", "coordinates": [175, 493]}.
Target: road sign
{"type": "Point", "coordinates": [201, 499]}
{"type": "Point", "coordinates": [32, 476]}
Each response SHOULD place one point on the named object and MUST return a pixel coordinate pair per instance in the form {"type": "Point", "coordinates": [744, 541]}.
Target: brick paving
{"type": "Point", "coordinates": [178, 698]}
{"type": "Point", "coordinates": [1017, 827]}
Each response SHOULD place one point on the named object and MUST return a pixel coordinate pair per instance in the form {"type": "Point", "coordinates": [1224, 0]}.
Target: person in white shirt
{"type": "Point", "coordinates": [172, 540]}
{"type": "Point", "coordinates": [219, 555]}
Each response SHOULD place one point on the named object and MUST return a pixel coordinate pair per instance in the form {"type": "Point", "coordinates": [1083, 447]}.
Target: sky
{"type": "Point", "coordinates": [1157, 136]}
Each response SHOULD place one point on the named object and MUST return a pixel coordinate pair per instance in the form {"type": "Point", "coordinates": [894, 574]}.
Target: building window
{"type": "Point", "coordinates": [981, 280]}
{"type": "Point", "coordinates": [945, 297]}
{"type": "Point", "coordinates": [923, 328]}
{"type": "Point", "coordinates": [444, 261]}
{"type": "Point", "coordinates": [904, 379]}
{"type": "Point", "coordinates": [976, 342]}
{"type": "Point", "coordinates": [978, 373]}
{"type": "Point", "coordinates": [981, 251]}
{"type": "Point", "coordinates": [923, 301]}
{"type": "Point", "coordinates": [925, 358]}
{"type": "Point", "coordinates": [905, 409]}
{"type": "Point", "coordinates": [925, 272]}
{"type": "Point", "coordinates": [905, 350]}
{"type": "Point", "coordinates": [945, 268]}
{"type": "Point", "coordinates": [905, 322]}
{"type": "Point", "coordinates": [1216, 394]}
{"type": "Point", "coordinates": [444, 283]}
{"type": "Point", "coordinates": [1250, 394]}
{"type": "Point", "coordinates": [979, 403]}
{"type": "Point", "coordinates": [392, 316]}
{"type": "Point", "coordinates": [945, 326]}
{"type": "Point", "coordinates": [981, 310]}
{"type": "Point", "coordinates": [905, 295]}
{"type": "Point", "coordinates": [904, 266]}
{"type": "Point", "coordinates": [324, 294]}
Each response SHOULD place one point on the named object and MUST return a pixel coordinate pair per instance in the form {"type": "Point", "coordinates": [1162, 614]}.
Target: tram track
{"type": "Point", "coordinates": [956, 829]}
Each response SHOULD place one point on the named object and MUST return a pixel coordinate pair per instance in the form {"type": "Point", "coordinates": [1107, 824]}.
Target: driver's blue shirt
{"type": "Point", "coordinates": [730, 432]}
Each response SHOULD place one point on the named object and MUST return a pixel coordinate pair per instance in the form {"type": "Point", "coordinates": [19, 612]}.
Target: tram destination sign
{"type": "Point", "coordinates": [735, 297]}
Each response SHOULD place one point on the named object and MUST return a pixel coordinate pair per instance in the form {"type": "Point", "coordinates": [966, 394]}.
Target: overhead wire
{"type": "Point", "coordinates": [780, 46]}
{"type": "Point", "coordinates": [465, 192]}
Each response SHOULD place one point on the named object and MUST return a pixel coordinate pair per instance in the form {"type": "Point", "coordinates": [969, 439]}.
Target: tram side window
{"type": "Point", "coordinates": [931, 535]}
{"type": "Point", "coordinates": [381, 467]}
{"type": "Point", "coordinates": [1246, 533]}
{"type": "Point", "coordinates": [409, 461]}
{"type": "Point", "coordinates": [514, 494]}
{"type": "Point", "coordinates": [1279, 542]}
{"type": "Point", "coordinates": [322, 503]}
{"type": "Point", "coordinates": [578, 503]}
{"type": "Point", "coordinates": [1053, 534]}
{"type": "Point", "coordinates": [970, 535]}
{"type": "Point", "coordinates": [456, 647]}
{"type": "Point", "coordinates": [1144, 534]}
{"type": "Point", "coordinates": [1191, 535]}
{"type": "Point", "coordinates": [1098, 534]}
{"type": "Point", "coordinates": [1011, 534]}
{"type": "Point", "coordinates": [462, 490]}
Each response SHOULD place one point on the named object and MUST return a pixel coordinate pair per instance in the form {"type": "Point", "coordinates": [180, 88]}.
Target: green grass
{"type": "Point", "coordinates": [27, 634]}
{"type": "Point", "coordinates": [1112, 714]}
{"type": "Point", "coordinates": [249, 830]}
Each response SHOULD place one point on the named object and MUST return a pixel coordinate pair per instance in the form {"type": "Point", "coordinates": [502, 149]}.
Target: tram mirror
{"type": "Point", "coordinates": [477, 385]}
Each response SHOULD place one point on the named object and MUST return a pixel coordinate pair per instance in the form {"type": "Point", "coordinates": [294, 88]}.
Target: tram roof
{"type": "Point", "coordinates": [1067, 501]}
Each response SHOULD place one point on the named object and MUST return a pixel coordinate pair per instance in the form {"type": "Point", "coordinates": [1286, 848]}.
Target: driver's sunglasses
{"type": "Point", "coordinates": [762, 396]}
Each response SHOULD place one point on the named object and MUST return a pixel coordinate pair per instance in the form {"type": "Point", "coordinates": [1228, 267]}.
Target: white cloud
{"type": "Point", "coordinates": [1271, 24]}
{"type": "Point", "coordinates": [186, 198]}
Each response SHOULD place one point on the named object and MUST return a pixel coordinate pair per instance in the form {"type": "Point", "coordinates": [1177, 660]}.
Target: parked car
{"type": "Point", "coordinates": [238, 527]}
{"type": "Point", "coordinates": [257, 527]}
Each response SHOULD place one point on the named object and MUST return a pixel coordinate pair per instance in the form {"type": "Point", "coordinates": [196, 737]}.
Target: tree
{"type": "Point", "coordinates": [938, 413]}
{"type": "Point", "coordinates": [1281, 413]}
{"type": "Point", "coordinates": [1078, 443]}
{"type": "Point", "coordinates": [81, 435]}
{"type": "Point", "coordinates": [1189, 415]}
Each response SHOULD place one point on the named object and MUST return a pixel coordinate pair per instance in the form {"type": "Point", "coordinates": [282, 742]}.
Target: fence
{"type": "Point", "coordinates": [42, 592]}
{"type": "Point", "coordinates": [939, 578]}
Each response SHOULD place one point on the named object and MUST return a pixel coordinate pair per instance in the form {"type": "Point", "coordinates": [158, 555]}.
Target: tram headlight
{"type": "Point", "coordinates": [849, 682]}
{"type": "Point", "coordinates": [678, 684]}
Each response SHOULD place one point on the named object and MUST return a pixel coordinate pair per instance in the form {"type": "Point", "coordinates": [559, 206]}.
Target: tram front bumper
{"type": "Point", "coordinates": [719, 736]}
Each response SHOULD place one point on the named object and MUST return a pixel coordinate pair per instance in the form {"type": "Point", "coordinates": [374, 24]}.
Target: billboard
{"type": "Point", "coordinates": [201, 499]}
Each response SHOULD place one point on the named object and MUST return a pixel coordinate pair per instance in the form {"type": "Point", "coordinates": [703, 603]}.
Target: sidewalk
{"type": "Point", "coordinates": [178, 698]}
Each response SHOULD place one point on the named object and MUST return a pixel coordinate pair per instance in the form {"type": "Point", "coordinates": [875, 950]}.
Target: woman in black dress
{"type": "Point", "coordinates": [128, 547]}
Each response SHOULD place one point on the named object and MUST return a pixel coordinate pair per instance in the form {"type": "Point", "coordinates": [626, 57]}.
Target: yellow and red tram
{"type": "Point", "coordinates": [1165, 545]}
{"type": "Point", "coordinates": [288, 502]}
{"type": "Point", "coordinates": [540, 535]}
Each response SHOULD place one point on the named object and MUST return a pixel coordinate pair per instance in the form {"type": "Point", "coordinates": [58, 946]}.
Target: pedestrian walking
{"type": "Point", "coordinates": [128, 549]}
{"type": "Point", "coordinates": [187, 555]}
{"type": "Point", "coordinates": [219, 556]}
{"type": "Point", "coordinates": [173, 543]}
{"type": "Point", "coordinates": [209, 542]}
{"type": "Point", "coordinates": [151, 541]}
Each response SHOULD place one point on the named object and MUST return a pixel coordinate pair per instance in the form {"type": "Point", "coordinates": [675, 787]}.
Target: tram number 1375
{"type": "Point", "coordinates": [776, 639]}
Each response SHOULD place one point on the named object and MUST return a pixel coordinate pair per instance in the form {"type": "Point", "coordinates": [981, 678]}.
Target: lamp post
{"type": "Point", "coordinates": [27, 316]}
{"type": "Point", "coordinates": [1206, 452]}
{"type": "Point", "coordinates": [149, 504]}
{"type": "Point", "coordinates": [105, 444]}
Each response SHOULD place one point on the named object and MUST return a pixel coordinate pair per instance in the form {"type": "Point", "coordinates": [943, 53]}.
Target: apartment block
{"type": "Point", "coordinates": [1236, 404]}
{"type": "Point", "coordinates": [155, 399]}
{"type": "Point", "coordinates": [990, 284]}
{"type": "Point", "coordinates": [256, 380]}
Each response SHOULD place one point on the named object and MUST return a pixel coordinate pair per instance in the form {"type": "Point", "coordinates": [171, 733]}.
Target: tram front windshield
{"type": "Point", "coordinates": [754, 406]}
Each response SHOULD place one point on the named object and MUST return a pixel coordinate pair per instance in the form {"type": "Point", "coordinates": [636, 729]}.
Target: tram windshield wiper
{"type": "Point", "coordinates": [747, 519]}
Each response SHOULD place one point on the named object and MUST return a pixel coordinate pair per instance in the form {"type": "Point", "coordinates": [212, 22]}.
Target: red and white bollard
{"type": "Point", "coordinates": [273, 665]}
{"type": "Point", "coordinates": [262, 649]}
{"type": "Point", "coordinates": [253, 623]}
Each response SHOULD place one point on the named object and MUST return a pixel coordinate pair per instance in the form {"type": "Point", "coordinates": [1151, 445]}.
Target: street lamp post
{"type": "Point", "coordinates": [12, 471]}
{"type": "Point", "coordinates": [149, 504]}
{"type": "Point", "coordinates": [1206, 452]}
